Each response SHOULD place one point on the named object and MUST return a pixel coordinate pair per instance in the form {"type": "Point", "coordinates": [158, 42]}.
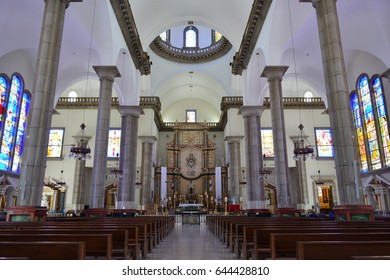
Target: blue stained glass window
{"type": "Point", "coordinates": [369, 122]}
{"type": "Point", "coordinates": [382, 116]}
{"type": "Point", "coordinates": [324, 143]}
{"type": "Point", "coordinates": [10, 125]}
{"type": "Point", "coordinates": [359, 132]}
{"type": "Point", "coordinates": [3, 100]}
{"type": "Point", "coordinates": [14, 107]}
{"type": "Point", "coordinates": [19, 144]}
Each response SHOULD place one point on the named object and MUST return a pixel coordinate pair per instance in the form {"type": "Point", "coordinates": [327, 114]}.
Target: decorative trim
{"type": "Point", "coordinates": [190, 55]}
{"type": "Point", "coordinates": [129, 30]}
{"type": "Point", "coordinates": [153, 102]}
{"type": "Point", "coordinates": [253, 28]}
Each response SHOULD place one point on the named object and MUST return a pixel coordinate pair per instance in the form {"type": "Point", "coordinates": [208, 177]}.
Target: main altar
{"type": "Point", "coordinates": [190, 177]}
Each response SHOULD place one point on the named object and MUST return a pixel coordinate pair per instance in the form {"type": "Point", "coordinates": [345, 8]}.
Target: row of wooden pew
{"type": "Point", "coordinates": [301, 238]}
{"type": "Point", "coordinates": [84, 237]}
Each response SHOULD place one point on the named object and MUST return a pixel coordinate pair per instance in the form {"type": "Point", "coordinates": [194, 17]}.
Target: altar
{"type": "Point", "coordinates": [190, 213]}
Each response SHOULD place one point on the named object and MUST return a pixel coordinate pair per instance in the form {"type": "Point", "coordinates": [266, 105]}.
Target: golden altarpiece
{"type": "Point", "coordinates": [191, 165]}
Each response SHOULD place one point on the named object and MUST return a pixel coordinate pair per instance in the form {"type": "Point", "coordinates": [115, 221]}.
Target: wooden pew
{"type": "Point", "coordinates": [120, 240]}
{"type": "Point", "coordinates": [262, 237]}
{"type": "Point", "coordinates": [284, 245]}
{"type": "Point", "coordinates": [96, 245]}
{"type": "Point", "coordinates": [341, 250]}
{"type": "Point", "coordinates": [43, 250]}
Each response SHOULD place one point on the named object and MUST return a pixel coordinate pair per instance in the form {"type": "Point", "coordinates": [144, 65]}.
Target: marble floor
{"type": "Point", "coordinates": [190, 242]}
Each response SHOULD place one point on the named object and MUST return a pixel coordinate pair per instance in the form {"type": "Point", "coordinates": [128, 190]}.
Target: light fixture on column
{"type": "Point", "coordinates": [61, 181]}
{"type": "Point", "coordinates": [116, 171]}
{"type": "Point", "coordinates": [80, 150]}
{"type": "Point", "coordinates": [138, 183]}
{"type": "Point", "coordinates": [243, 179]}
{"type": "Point", "coordinates": [304, 150]}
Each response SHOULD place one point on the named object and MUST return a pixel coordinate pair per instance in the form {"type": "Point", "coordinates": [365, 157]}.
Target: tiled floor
{"type": "Point", "coordinates": [190, 242]}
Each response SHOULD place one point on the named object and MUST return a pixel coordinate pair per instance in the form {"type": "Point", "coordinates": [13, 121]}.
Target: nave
{"type": "Point", "coordinates": [190, 242]}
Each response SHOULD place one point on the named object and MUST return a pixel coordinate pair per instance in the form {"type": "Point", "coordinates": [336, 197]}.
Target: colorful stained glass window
{"type": "Point", "coordinates": [359, 132]}
{"type": "Point", "coordinates": [19, 144]}
{"type": "Point", "coordinates": [216, 36]}
{"type": "Point", "coordinates": [14, 107]}
{"type": "Point", "coordinates": [56, 139]}
{"type": "Point", "coordinates": [382, 118]}
{"type": "Point", "coordinates": [267, 143]}
{"type": "Point", "coordinates": [3, 100]}
{"type": "Point", "coordinates": [369, 122]}
{"type": "Point", "coordinates": [324, 142]}
{"type": "Point", "coordinates": [10, 124]}
{"type": "Point", "coordinates": [114, 141]}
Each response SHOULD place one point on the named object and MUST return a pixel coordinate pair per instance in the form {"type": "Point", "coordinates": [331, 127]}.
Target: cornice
{"type": "Point", "coordinates": [190, 55]}
{"type": "Point", "coordinates": [129, 30]}
{"type": "Point", "coordinates": [253, 28]}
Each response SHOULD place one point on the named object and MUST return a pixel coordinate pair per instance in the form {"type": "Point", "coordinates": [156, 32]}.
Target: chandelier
{"type": "Point", "coordinates": [80, 150]}
{"type": "Point", "coordinates": [116, 171]}
{"type": "Point", "coordinates": [302, 151]}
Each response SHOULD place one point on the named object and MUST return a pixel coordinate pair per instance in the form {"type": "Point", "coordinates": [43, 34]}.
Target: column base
{"type": "Point", "coordinates": [258, 213]}
{"type": "Point", "coordinates": [288, 212]}
{"type": "Point", "coordinates": [26, 214]}
{"type": "Point", "coordinates": [354, 212]}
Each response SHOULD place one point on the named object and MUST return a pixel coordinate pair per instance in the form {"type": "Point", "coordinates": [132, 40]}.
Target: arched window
{"type": "Point", "coordinates": [371, 123]}
{"type": "Point", "coordinates": [191, 37]}
{"type": "Point", "coordinates": [215, 36]}
{"type": "Point", "coordinates": [15, 103]}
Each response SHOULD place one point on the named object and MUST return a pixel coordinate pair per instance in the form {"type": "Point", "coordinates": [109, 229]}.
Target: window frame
{"type": "Point", "coordinates": [61, 146]}
{"type": "Point", "coordinates": [317, 145]}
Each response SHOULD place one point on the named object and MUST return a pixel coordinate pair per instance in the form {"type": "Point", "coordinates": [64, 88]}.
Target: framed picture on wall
{"type": "Point", "coordinates": [191, 115]}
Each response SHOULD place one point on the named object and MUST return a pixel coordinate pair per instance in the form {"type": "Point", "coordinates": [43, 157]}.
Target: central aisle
{"type": "Point", "coordinates": [190, 242]}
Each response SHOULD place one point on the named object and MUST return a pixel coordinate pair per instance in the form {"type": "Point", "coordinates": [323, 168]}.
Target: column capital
{"type": "Point", "coordinates": [314, 2]}
{"type": "Point", "coordinates": [386, 74]}
{"type": "Point", "coordinates": [107, 72]}
{"type": "Point", "coordinates": [233, 139]}
{"type": "Point", "coordinates": [274, 72]}
{"type": "Point", "coordinates": [148, 139]}
{"type": "Point", "coordinates": [134, 111]}
{"type": "Point", "coordinates": [247, 111]}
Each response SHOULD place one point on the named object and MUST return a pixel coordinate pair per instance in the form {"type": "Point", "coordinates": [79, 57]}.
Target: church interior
{"type": "Point", "coordinates": [195, 111]}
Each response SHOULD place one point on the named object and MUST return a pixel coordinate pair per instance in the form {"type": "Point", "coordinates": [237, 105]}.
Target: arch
{"type": "Point", "coordinates": [190, 37]}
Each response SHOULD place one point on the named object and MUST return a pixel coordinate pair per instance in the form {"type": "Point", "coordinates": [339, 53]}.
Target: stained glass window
{"type": "Point", "coordinates": [216, 36]}
{"type": "Point", "coordinates": [371, 123]}
{"type": "Point", "coordinates": [190, 37]}
{"type": "Point", "coordinates": [3, 99]}
{"type": "Point", "coordinates": [381, 113]}
{"type": "Point", "coordinates": [114, 141]}
{"type": "Point", "coordinates": [19, 144]}
{"type": "Point", "coordinates": [324, 142]}
{"type": "Point", "coordinates": [56, 139]}
{"type": "Point", "coordinates": [10, 124]}
{"type": "Point", "coordinates": [14, 107]}
{"type": "Point", "coordinates": [267, 143]}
